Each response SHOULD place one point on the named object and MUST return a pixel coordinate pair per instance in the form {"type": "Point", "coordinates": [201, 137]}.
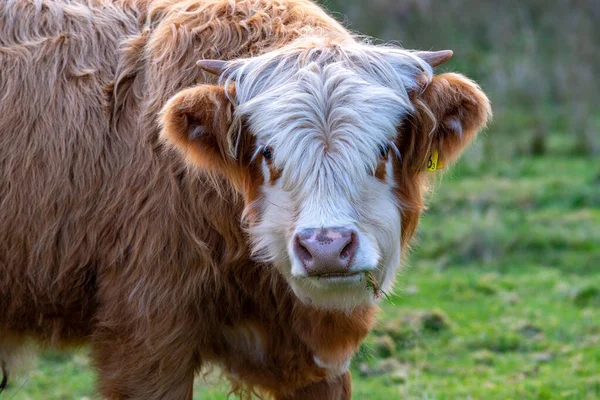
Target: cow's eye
{"type": "Point", "coordinates": [267, 153]}
{"type": "Point", "coordinates": [384, 150]}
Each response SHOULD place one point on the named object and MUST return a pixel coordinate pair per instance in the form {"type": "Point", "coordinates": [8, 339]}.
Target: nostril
{"type": "Point", "coordinates": [349, 250]}
{"type": "Point", "coordinates": [302, 252]}
{"type": "Point", "coordinates": [326, 250]}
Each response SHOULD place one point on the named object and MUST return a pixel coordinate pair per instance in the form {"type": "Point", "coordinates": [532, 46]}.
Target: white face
{"type": "Point", "coordinates": [365, 207]}
{"type": "Point", "coordinates": [327, 216]}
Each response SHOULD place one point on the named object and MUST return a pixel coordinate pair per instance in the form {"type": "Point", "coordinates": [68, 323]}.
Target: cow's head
{"type": "Point", "coordinates": [329, 143]}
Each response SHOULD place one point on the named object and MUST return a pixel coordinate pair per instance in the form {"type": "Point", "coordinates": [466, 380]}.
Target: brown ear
{"type": "Point", "coordinates": [449, 114]}
{"type": "Point", "coordinates": [197, 122]}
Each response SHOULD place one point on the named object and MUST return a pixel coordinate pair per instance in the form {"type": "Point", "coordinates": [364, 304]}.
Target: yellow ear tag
{"type": "Point", "coordinates": [433, 162]}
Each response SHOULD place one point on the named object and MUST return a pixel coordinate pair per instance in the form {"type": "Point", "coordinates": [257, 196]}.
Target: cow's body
{"type": "Point", "coordinates": [107, 238]}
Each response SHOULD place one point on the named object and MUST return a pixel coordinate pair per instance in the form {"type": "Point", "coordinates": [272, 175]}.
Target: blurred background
{"type": "Point", "coordinates": [500, 298]}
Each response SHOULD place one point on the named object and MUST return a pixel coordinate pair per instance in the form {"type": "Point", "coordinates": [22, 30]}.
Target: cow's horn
{"type": "Point", "coordinates": [215, 67]}
{"type": "Point", "coordinates": [435, 58]}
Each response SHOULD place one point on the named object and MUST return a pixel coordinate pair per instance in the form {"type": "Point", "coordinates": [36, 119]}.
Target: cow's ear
{"type": "Point", "coordinates": [449, 113]}
{"type": "Point", "coordinates": [197, 121]}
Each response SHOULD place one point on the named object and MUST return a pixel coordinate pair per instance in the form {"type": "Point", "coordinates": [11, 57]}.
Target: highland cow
{"type": "Point", "coordinates": [196, 182]}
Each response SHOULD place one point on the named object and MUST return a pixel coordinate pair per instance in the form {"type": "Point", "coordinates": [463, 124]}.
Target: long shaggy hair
{"type": "Point", "coordinates": [109, 238]}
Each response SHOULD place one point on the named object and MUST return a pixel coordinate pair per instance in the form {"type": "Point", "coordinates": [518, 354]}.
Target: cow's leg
{"type": "Point", "coordinates": [138, 367]}
{"type": "Point", "coordinates": [339, 388]}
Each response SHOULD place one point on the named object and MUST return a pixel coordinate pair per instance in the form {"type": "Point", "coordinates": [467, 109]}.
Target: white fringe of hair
{"type": "Point", "coordinates": [392, 67]}
{"type": "Point", "coordinates": [323, 87]}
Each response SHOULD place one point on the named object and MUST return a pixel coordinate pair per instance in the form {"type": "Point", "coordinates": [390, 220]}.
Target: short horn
{"type": "Point", "coordinates": [435, 58]}
{"type": "Point", "coordinates": [215, 67]}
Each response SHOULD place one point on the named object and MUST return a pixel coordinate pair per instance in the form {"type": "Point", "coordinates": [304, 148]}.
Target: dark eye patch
{"type": "Point", "coordinates": [267, 153]}
{"type": "Point", "coordinates": [384, 150]}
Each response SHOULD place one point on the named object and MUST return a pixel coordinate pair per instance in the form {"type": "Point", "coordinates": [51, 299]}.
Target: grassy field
{"type": "Point", "coordinates": [501, 299]}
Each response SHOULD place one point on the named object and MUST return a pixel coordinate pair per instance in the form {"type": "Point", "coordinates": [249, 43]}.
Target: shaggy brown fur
{"type": "Point", "coordinates": [107, 238]}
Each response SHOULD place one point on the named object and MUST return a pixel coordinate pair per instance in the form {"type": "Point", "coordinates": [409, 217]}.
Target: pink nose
{"type": "Point", "coordinates": [327, 251]}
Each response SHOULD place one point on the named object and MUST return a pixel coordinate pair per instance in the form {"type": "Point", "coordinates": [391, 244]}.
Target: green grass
{"type": "Point", "coordinates": [501, 299]}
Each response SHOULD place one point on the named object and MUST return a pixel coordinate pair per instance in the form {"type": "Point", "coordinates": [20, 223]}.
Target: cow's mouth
{"type": "Point", "coordinates": [340, 280]}
{"type": "Point", "coordinates": [339, 275]}
{"type": "Point", "coordinates": [342, 290]}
